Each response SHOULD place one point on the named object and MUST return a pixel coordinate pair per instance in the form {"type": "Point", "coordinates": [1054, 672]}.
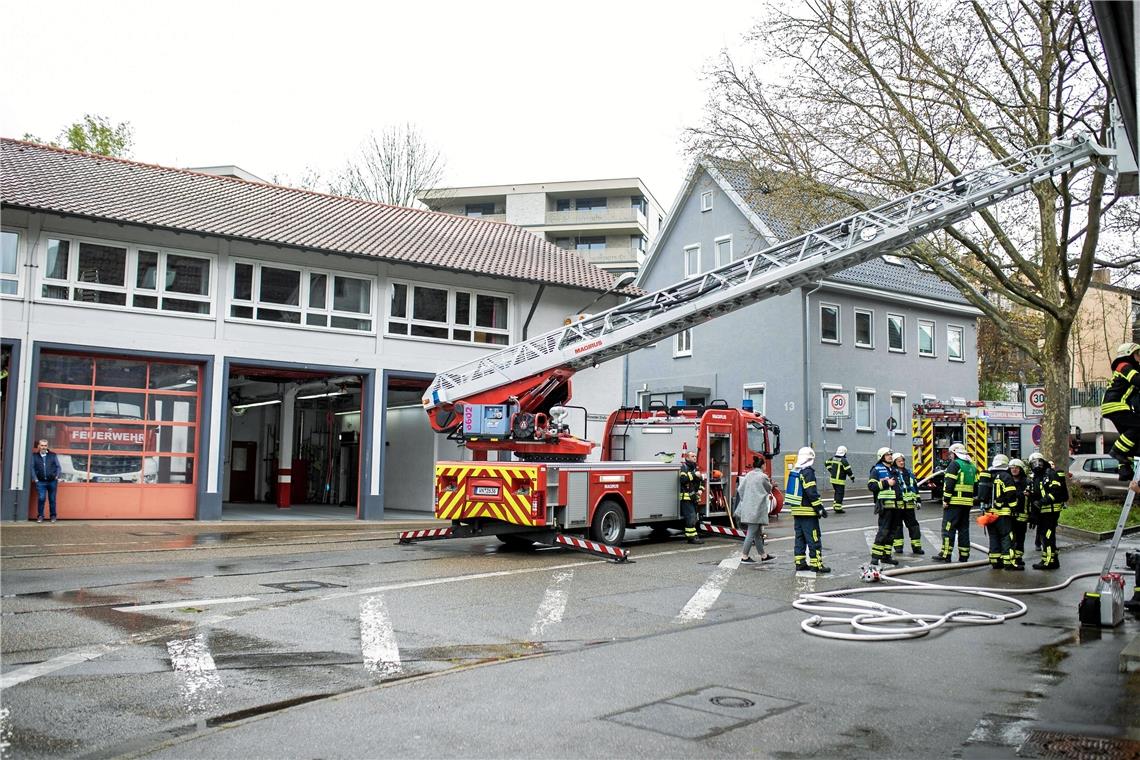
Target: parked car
{"type": "Point", "coordinates": [1096, 475]}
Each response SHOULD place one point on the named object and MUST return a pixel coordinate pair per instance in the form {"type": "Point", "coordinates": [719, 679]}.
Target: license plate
{"type": "Point", "coordinates": [107, 479]}
{"type": "Point", "coordinates": [486, 490]}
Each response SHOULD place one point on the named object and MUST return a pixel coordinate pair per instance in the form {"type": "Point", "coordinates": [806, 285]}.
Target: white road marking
{"type": "Point", "coordinates": [28, 672]}
{"type": "Point", "coordinates": [934, 539]}
{"type": "Point", "coordinates": [377, 639]}
{"type": "Point", "coordinates": [5, 731]}
{"type": "Point", "coordinates": [198, 676]}
{"type": "Point", "coordinates": [708, 593]}
{"type": "Point", "coordinates": [185, 603]}
{"type": "Point", "coordinates": [553, 603]}
{"type": "Point", "coordinates": [869, 536]}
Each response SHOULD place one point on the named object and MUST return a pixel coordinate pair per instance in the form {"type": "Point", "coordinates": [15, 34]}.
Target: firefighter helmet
{"type": "Point", "coordinates": [1017, 463]}
{"type": "Point", "coordinates": [1126, 349]}
{"type": "Point", "coordinates": [841, 451]}
{"type": "Point", "coordinates": [897, 455]}
{"type": "Point", "coordinates": [1036, 455]}
{"type": "Point", "coordinates": [957, 449]}
{"type": "Point", "coordinates": [883, 452]}
{"type": "Point", "coordinates": [1001, 461]}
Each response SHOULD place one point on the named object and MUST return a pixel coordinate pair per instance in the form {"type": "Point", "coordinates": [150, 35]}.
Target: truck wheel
{"type": "Point", "coordinates": [515, 540]}
{"type": "Point", "coordinates": [609, 524]}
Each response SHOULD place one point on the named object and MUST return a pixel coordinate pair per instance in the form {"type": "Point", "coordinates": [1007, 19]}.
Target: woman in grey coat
{"type": "Point", "coordinates": [755, 501]}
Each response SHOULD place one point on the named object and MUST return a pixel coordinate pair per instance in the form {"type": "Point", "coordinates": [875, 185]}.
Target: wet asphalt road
{"type": "Point", "coordinates": [333, 641]}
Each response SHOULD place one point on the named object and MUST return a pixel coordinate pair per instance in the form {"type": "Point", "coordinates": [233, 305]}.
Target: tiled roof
{"type": "Point", "coordinates": [49, 179]}
{"type": "Point", "coordinates": [876, 273]}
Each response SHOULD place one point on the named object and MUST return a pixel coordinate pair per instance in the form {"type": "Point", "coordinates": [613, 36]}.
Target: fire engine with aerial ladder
{"type": "Point", "coordinates": [516, 399]}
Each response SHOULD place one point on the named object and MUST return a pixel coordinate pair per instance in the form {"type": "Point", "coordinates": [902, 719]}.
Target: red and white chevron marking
{"type": "Point", "coordinates": [411, 535]}
{"type": "Point", "coordinates": [722, 530]}
{"type": "Point", "coordinates": [591, 546]}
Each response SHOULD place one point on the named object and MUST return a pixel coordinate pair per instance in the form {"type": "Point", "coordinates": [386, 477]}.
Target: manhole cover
{"type": "Point", "coordinates": [738, 702]}
{"type": "Point", "coordinates": [1051, 744]}
{"type": "Point", "coordinates": [302, 585]}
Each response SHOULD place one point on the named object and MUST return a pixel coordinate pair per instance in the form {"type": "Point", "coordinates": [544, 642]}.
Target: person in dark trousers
{"type": "Point", "coordinates": [958, 494]}
{"type": "Point", "coordinates": [1001, 505]}
{"type": "Point", "coordinates": [908, 484]}
{"type": "Point", "coordinates": [884, 485]}
{"type": "Point", "coordinates": [1049, 492]}
{"type": "Point", "coordinates": [802, 498]}
{"type": "Point", "coordinates": [690, 488]}
{"type": "Point", "coordinates": [1020, 519]}
{"type": "Point", "coordinates": [45, 474]}
{"type": "Point", "coordinates": [839, 471]}
{"type": "Point", "coordinates": [1121, 402]}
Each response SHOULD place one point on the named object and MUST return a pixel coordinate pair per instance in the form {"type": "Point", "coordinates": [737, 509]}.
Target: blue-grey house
{"type": "Point", "coordinates": [886, 333]}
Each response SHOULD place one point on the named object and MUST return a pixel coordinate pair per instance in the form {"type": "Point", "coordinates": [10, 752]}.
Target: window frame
{"type": "Point", "coordinates": [593, 199]}
{"type": "Point", "coordinates": [933, 353]}
{"type": "Point", "coordinates": [706, 201]}
{"type": "Point", "coordinates": [683, 344]}
{"type": "Point", "coordinates": [640, 204]}
{"type": "Point", "coordinates": [691, 249]}
{"type": "Point", "coordinates": [870, 314]}
{"type": "Point", "coordinates": [303, 309]}
{"type": "Point", "coordinates": [838, 340]}
{"type": "Point", "coordinates": [130, 288]}
{"type": "Point", "coordinates": [480, 209]}
{"type": "Point", "coordinates": [828, 423]}
{"type": "Point", "coordinates": [870, 426]}
{"type": "Point", "coordinates": [903, 417]}
{"type": "Point", "coordinates": [902, 332]}
{"type": "Point", "coordinates": [763, 388]}
{"type": "Point", "coordinates": [716, 250]}
{"type": "Point", "coordinates": [21, 256]}
{"type": "Point", "coordinates": [961, 357]}
{"type": "Point", "coordinates": [451, 325]}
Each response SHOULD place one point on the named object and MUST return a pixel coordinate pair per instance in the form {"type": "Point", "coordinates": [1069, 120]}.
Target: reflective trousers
{"type": "Point", "coordinates": [907, 518]}
{"type": "Point", "coordinates": [956, 524]}
{"type": "Point", "coordinates": [689, 513]}
{"type": "Point", "coordinates": [809, 548]}
{"type": "Point", "coordinates": [840, 490]}
{"type": "Point", "coordinates": [890, 519]}
{"type": "Point", "coordinates": [1001, 542]}
{"type": "Point", "coordinates": [1047, 526]}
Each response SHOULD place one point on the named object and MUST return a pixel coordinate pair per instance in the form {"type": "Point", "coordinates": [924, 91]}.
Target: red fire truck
{"type": "Point", "coordinates": [512, 402]}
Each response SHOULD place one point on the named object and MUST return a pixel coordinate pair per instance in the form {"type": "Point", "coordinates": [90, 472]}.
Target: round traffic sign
{"type": "Point", "coordinates": [1036, 435]}
{"type": "Point", "coordinates": [838, 403]}
{"type": "Point", "coordinates": [892, 423]}
{"type": "Point", "coordinates": [1037, 398]}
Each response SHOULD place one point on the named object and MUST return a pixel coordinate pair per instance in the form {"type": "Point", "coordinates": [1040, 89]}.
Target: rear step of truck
{"type": "Point", "coordinates": [545, 537]}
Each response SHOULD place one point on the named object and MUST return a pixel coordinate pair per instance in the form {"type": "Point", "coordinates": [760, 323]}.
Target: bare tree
{"type": "Point", "coordinates": [878, 99]}
{"type": "Point", "coordinates": [390, 167]}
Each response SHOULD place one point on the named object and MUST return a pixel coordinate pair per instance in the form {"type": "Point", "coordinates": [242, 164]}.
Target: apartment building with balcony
{"type": "Point", "coordinates": [610, 222]}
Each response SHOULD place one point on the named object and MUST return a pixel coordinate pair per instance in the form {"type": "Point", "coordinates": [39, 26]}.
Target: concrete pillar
{"type": "Point", "coordinates": [285, 449]}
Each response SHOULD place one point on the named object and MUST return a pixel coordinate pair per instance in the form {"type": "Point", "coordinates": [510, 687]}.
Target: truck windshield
{"type": "Point", "coordinates": [112, 409]}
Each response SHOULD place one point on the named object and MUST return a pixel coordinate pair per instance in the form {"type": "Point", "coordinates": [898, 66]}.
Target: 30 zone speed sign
{"type": "Point", "coordinates": [837, 405]}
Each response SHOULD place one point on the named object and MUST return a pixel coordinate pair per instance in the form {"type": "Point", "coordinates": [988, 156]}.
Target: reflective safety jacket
{"type": "Point", "coordinates": [839, 470]}
{"type": "Point", "coordinates": [908, 484]}
{"type": "Point", "coordinates": [879, 483]}
{"type": "Point", "coordinates": [801, 495]}
{"type": "Point", "coordinates": [959, 483]}
{"type": "Point", "coordinates": [691, 482]}
{"type": "Point", "coordinates": [1005, 496]}
{"type": "Point", "coordinates": [1049, 490]}
{"type": "Point", "coordinates": [1123, 393]}
{"type": "Point", "coordinates": [1021, 506]}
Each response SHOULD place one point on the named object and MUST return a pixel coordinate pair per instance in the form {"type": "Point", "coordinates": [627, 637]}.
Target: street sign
{"type": "Point", "coordinates": [892, 423]}
{"type": "Point", "coordinates": [837, 405]}
{"type": "Point", "coordinates": [1035, 401]}
{"type": "Point", "coordinates": [1036, 435]}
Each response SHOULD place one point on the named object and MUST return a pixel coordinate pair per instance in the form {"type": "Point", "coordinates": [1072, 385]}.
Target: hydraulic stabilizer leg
{"type": "Point", "coordinates": [1105, 605]}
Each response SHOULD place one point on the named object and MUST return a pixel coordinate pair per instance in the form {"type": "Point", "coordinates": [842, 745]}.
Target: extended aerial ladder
{"type": "Point", "coordinates": [529, 381]}
{"type": "Point", "coordinates": [537, 371]}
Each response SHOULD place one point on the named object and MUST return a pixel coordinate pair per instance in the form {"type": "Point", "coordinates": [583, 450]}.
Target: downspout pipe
{"type": "Point", "coordinates": [807, 364]}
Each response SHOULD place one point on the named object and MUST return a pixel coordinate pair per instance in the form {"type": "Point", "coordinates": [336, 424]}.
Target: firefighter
{"type": "Point", "coordinates": [884, 485]}
{"type": "Point", "coordinates": [802, 497]}
{"type": "Point", "coordinates": [691, 483]}
{"type": "Point", "coordinates": [1020, 519]}
{"type": "Point", "coordinates": [840, 472]}
{"type": "Point", "coordinates": [1049, 492]}
{"type": "Point", "coordinates": [1120, 405]}
{"type": "Point", "coordinates": [1001, 505]}
{"type": "Point", "coordinates": [907, 507]}
{"type": "Point", "coordinates": [958, 493]}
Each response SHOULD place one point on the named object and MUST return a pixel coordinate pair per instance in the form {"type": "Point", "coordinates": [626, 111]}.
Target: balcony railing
{"type": "Point", "coordinates": [595, 216]}
{"type": "Point", "coordinates": [1088, 394]}
{"type": "Point", "coordinates": [609, 255]}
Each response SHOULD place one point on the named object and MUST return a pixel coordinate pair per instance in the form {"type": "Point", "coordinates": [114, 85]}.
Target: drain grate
{"type": "Point", "coordinates": [303, 585]}
{"type": "Point", "coordinates": [1052, 744]}
{"type": "Point", "coordinates": [703, 713]}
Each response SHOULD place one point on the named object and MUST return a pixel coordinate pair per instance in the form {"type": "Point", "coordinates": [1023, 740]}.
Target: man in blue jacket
{"type": "Point", "coordinates": [45, 474]}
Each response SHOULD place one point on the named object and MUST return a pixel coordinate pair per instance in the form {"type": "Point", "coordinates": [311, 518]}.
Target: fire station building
{"type": "Point", "coordinates": [190, 343]}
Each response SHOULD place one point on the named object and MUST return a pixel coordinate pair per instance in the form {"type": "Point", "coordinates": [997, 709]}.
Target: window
{"type": "Point", "coordinates": [479, 209]}
{"type": "Point", "coordinates": [88, 271]}
{"type": "Point", "coordinates": [865, 410]}
{"type": "Point", "coordinates": [864, 328]}
{"type": "Point", "coordinates": [639, 204]}
{"type": "Point", "coordinates": [829, 423]}
{"type": "Point", "coordinates": [754, 392]}
{"type": "Point", "coordinates": [706, 200]}
{"type": "Point", "coordinates": [591, 204]}
{"type": "Point", "coordinates": [428, 311]}
{"type": "Point", "coordinates": [562, 204]}
{"type": "Point", "coordinates": [954, 343]}
{"type": "Point", "coordinates": [683, 343]}
{"type": "Point", "coordinates": [925, 337]}
{"type": "Point", "coordinates": [9, 263]}
{"type": "Point", "coordinates": [900, 412]}
{"type": "Point", "coordinates": [692, 260]}
{"type": "Point", "coordinates": [563, 242]}
{"type": "Point", "coordinates": [828, 323]}
{"type": "Point", "coordinates": [590, 242]}
{"type": "Point", "coordinates": [300, 296]}
{"type": "Point", "coordinates": [896, 332]}
{"type": "Point", "coordinates": [637, 242]}
{"type": "Point", "coordinates": [723, 250]}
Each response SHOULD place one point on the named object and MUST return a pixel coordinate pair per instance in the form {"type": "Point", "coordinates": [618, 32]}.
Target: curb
{"type": "Point", "coordinates": [1089, 535]}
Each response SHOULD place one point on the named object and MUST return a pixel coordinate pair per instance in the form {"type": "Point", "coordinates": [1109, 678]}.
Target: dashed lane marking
{"type": "Point", "coordinates": [378, 639]}
{"type": "Point", "coordinates": [709, 592]}
{"type": "Point", "coordinates": [553, 603]}
{"type": "Point", "coordinates": [185, 603]}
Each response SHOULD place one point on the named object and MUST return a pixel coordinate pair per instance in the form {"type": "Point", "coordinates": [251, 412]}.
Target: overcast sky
{"type": "Point", "coordinates": [508, 91]}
